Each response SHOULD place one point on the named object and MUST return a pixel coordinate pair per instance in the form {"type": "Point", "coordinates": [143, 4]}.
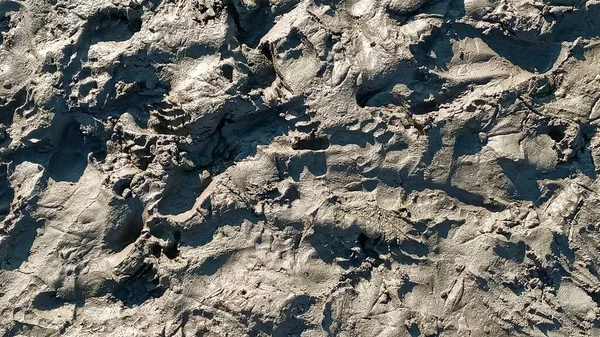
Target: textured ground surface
{"type": "Point", "coordinates": [299, 168]}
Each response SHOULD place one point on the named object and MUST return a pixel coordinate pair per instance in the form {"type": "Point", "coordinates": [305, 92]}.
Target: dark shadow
{"type": "Point", "coordinates": [582, 22]}
{"type": "Point", "coordinates": [549, 274]}
{"type": "Point", "coordinates": [335, 245]}
{"type": "Point", "coordinates": [328, 321]}
{"type": "Point", "coordinates": [7, 193]}
{"type": "Point", "coordinates": [346, 137]}
{"type": "Point", "coordinates": [467, 197]}
{"type": "Point", "coordinates": [313, 142]}
{"type": "Point", "coordinates": [331, 242]}
{"type": "Point", "coordinates": [427, 95]}
{"type": "Point", "coordinates": [261, 325]}
{"type": "Point", "coordinates": [5, 8]}
{"type": "Point", "coordinates": [527, 55]}
{"type": "Point", "coordinates": [139, 288]}
{"type": "Point", "coordinates": [8, 109]}
{"type": "Point", "coordinates": [369, 246]}
{"type": "Point", "coordinates": [125, 223]}
{"type": "Point", "coordinates": [524, 178]}
{"type": "Point", "coordinates": [547, 327]}
{"type": "Point", "coordinates": [434, 142]}
{"type": "Point", "coordinates": [435, 51]}
{"type": "Point", "coordinates": [414, 330]}
{"type": "Point", "coordinates": [443, 228]}
{"type": "Point", "coordinates": [293, 324]}
{"type": "Point", "coordinates": [470, 198]}
{"type": "Point", "coordinates": [560, 246]}
{"type": "Point", "coordinates": [467, 143]}
{"type": "Point", "coordinates": [387, 176]}
{"type": "Point", "coordinates": [376, 91]}
{"type": "Point", "coordinates": [511, 251]}
{"type": "Point", "coordinates": [47, 301]}
{"type": "Point", "coordinates": [315, 162]}
{"type": "Point", "coordinates": [251, 23]}
{"type": "Point", "coordinates": [244, 135]}
{"type": "Point", "coordinates": [349, 247]}
{"type": "Point", "coordinates": [406, 287]}
{"type": "Point", "coordinates": [515, 287]}
{"type": "Point", "coordinates": [67, 166]}
{"type": "Point", "coordinates": [202, 234]}
{"type": "Point", "coordinates": [9, 6]}
{"type": "Point", "coordinates": [195, 51]}
{"type": "Point", "coordinates": [169, 234]}
{"type": "Point", "coordinates": [482, 283]}
{"type": "Point", "coordinates": [413, 247]}
{"type": "Point", "coordinates": [181, 192]}
{"type": "Point", "coordinates": [69, 161]}
{"type": "Point", "coordinates": [212, 264]}
{"type": "Point", "coordinates": [15, 250]}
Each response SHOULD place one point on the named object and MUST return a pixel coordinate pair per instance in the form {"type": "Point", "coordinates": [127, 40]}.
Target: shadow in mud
{"type": "Point", "coordinates": [434, 52]}
{"type": "Point", "coordinates": [350, 247]}
{"type": "Point", "coordinates": [5, 8]}
{"type": "Point", "coordinates": [6, 192]}
{"type": "Point", "coordinates": [14, 251]}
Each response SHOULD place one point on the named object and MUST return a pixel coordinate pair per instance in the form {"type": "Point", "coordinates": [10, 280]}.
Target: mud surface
{"type": "Point", "coordinates": [299, 168]}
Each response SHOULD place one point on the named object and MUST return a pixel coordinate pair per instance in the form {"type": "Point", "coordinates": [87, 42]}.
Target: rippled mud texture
{"type": "Point", "coordinates": [299, 168]}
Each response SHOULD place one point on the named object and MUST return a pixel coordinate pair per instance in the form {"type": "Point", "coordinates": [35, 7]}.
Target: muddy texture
{"type": "Point", "coordinates": [299, 168]}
